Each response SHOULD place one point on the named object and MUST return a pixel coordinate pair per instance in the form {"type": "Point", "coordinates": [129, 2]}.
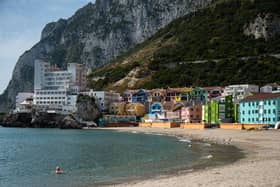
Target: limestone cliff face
{"type": "Point", "coordinates": [95, 35]}
{"type": "Point", "coordinates": [265, 26]}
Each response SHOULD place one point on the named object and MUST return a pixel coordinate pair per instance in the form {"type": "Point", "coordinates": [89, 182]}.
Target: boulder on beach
{"type": "Point", "coordinates": [69, 123]}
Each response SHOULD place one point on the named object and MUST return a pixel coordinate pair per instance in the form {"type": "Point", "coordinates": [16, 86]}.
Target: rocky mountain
{"type": "Point", "coordinates": [95, 35]}
{"type": "Point", "coordinates": [229, 42]}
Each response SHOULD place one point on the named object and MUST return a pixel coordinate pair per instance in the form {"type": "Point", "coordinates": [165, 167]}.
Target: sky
{"type": "Point", "coordinates": [21, 23]}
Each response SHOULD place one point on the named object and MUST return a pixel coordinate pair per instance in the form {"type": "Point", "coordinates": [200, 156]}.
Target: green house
{"type": "Point", "coordinates": [221, 110]}
{"type": "Point", "coordinates": [210, 112]}
{"type": "Point", "coordinates": [236, 113]}
{"type": "Point", "coordinates": [199, 95]}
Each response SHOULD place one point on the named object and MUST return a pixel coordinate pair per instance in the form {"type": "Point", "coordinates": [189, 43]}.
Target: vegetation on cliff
{"type": "Point", "coordinates": [205, 48]}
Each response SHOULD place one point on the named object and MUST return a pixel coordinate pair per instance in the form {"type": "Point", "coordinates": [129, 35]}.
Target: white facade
{"type": "Point", "coordinates": [20, 98]}
{"type": "Point", "coordinates": [57, 89]}
{"type": "Point", "coordinates": [270, 89]}
{"type": "Point", "coordinates": [239, 92]}
{"type": "Point", "coordinates": [266, 89]}
{"type": "Point", "coordinates": [104, 98]}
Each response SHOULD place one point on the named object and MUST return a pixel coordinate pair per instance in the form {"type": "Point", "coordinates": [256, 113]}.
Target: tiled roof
{"type": "Point", "coordinates": [261, 96]}
{"type": "Point", "coordinates": [212, 87]}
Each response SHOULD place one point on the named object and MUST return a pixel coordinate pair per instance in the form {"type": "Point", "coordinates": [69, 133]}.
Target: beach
{"type": "Point", "coordinates": [260, 167]}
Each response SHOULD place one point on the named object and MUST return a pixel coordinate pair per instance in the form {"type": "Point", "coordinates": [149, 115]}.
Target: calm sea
{"type": "Point", "coordinates": [28, 157]}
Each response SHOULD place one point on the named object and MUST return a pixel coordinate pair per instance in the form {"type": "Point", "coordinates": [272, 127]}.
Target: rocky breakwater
{"type": "Point", "coordinates": [17, 120]}
{"type": "Point", "coordinates": [40, 120]}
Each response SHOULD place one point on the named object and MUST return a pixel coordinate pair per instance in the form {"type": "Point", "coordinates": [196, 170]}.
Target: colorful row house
{"type": "Point", "coordinates": [131, 109]}
{"type": "Point", "coordinates": [220, 110]}
{"type": "Point", "coordinates": [192, 114]}
{"type": "Point", "coordinates": [262, 108]}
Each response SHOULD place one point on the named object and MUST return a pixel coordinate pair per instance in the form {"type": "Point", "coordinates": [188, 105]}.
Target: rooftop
{"type": "Point", "coordinates": [261, 96]}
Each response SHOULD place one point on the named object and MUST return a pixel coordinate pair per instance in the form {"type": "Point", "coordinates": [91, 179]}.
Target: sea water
{"type": "Point", "coordinates": [28, 157]}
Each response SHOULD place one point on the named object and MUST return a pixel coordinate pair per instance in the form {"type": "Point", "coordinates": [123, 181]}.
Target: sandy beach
{"type": "Point", "coordinates": [260, 167]}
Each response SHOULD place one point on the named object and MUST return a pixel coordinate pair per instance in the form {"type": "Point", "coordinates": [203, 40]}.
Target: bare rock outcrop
{"type": "Point", "coordinates": [265, 26]}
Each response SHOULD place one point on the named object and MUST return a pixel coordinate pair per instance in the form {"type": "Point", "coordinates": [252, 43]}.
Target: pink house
{"type": "Point", "coordinates": [192, 114]}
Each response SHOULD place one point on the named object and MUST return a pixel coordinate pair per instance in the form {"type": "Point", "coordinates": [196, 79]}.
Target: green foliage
{"type": "Point", "coordinates": [233, 71]}
{"type": "Point", "coordinates": [85, 98]}
{"type": "Point", "coordinates": [218, 33]}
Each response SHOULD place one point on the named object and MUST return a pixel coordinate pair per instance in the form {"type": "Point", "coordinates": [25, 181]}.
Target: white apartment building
{"type": "Point", "coordinates": [57, 89]}
{"type": "Point", "coordinates": [104, 98]}
{"type": "Point", "coordinates": [239, 92]}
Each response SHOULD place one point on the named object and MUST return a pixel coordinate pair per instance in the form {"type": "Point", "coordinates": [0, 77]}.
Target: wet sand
{"type": "Point", "coordinates": [260, 167]}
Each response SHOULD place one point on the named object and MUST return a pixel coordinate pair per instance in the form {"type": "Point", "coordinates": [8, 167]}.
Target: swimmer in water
{"type": "Point", "coordinates": [58, 170]}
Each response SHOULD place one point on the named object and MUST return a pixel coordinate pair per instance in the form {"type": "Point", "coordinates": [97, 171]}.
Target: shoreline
{"type": "Point", "coordinates": [259, 167]}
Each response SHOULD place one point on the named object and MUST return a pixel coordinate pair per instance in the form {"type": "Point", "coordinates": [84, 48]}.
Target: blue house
{"type": "Point", "coordinates": [262, 108]}
{"type": "Point", "coordinates": [140, 97]}
{"type": "Point", "coordinates": [156, 108]}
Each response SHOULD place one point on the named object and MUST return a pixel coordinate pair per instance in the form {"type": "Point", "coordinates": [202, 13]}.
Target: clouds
{"type": "Point", "coordinates": [21, 23]}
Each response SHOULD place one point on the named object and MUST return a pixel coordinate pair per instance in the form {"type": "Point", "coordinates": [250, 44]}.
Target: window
{"type": "Point", "coordinates": [273, 102]}
{"type": "Point", "coordinates": [269, 111]}
{"type": "Point", "coordinates": [243, 112]}
{"type": "Point", "coordinates": [274, 111]}
{"type": "Point", "coordinates": [269, 103]}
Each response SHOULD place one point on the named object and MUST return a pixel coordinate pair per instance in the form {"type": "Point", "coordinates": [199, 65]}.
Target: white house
{"type": "Point", "coordinates": [239, 92]}
{"type": "Point", "coordinates": [104, 98]}
{"type": "Point", "coordinates": [21, 98]}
